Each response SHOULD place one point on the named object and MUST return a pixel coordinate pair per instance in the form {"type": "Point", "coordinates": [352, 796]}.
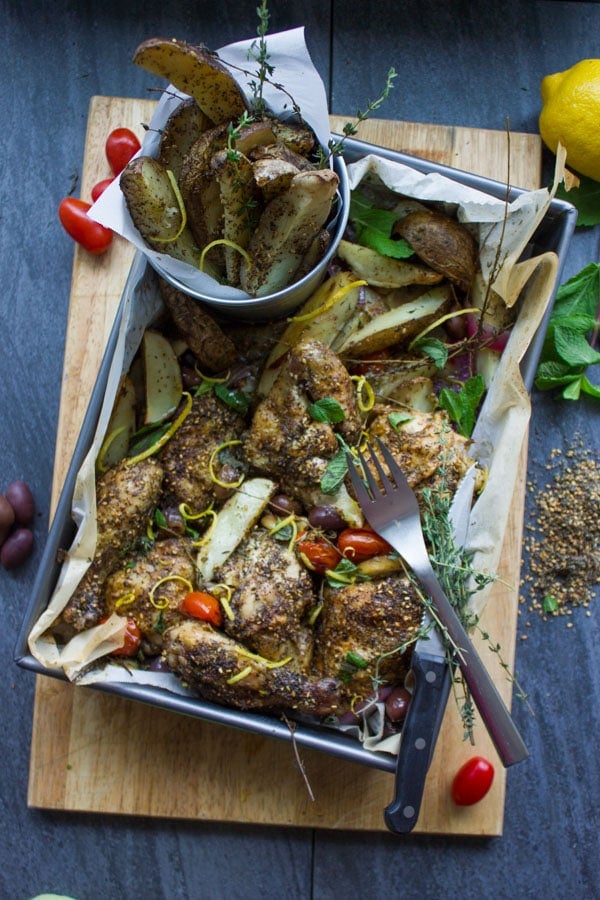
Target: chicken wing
{"type": "Point", "coordinates": [215, 666]}
{"type": "Point", "coordinates": [272, 597]}
{"type": "Point", "coordinates": [126, 496]}
{"type": "Point", "coordinates": [366, 623]}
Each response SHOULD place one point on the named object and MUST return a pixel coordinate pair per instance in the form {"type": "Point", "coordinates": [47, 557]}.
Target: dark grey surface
{"type": "Point", "coordinates": [463, 63]}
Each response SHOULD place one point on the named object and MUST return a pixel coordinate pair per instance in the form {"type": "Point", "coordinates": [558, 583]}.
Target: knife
{"type": "Point", "coordinates": [431, 686]}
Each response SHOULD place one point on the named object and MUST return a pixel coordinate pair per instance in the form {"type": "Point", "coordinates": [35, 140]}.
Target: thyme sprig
{"type": "Point", "coordinates": [351, 128]}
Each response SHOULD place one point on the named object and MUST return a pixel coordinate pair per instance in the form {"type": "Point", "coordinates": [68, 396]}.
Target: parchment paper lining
{"type": "Point", "coordinates": [497, 440]}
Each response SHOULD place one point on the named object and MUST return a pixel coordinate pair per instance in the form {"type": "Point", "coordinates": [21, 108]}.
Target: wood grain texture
{"type": "Point", "coordinates": [98, 753]}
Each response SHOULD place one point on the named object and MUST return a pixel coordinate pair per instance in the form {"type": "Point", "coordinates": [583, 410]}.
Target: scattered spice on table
{"type": "Point", "coordinates": [562, 535]}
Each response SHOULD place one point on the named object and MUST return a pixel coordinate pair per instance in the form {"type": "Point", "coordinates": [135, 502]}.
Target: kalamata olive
{"type": "Point", "coordinates": [174, 523]}
{"type": "Point", "coordinates": [7, 518]}
{"type": "Point", "coordinates": [159, 664]}
{"type": "Point", "coordinates": [396, 704]}
{"type": "Point", "coordinates": [229, 475]}
{"type": "Point", "coordinates": [190, 378]}
{"type": "Point", "coordinates": [285, 506]}
{"type": "Point", "coordinates": [16, 548]}
{"type": "Point", "coordinates": [21, 499]}
{"type": "Point", "coordinates": [326, 518]}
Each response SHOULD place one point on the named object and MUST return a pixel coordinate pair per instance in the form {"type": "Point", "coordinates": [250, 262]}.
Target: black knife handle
{"type": "Point", "coordinates": [419, 736]}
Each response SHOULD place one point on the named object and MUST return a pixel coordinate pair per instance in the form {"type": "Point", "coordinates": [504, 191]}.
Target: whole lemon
{"type": "Point", "coordinates": [571, 115]}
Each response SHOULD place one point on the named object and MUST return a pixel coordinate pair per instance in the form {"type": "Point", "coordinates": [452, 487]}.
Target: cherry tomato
{"type": "Point", "coordinates": [132, 640]}
{"type": "Point", "coordinates": [92, 236]}
{"type": "Point", "coordinates": [358, 544]}
{"type": "Point", "coordinates": [472, 781]}
{"type": "Point", "coordinates": [121, 146]}
{"type": "Point", "coordinates": [99, 188]}
{"type": "Point", "coordinates": [319, 554]}
{"type": "Point", "coordinates": [200, 605]}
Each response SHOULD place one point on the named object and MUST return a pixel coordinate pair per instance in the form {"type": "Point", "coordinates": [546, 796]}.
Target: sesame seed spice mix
{"type": "Point", "coordinates": [562, 536]}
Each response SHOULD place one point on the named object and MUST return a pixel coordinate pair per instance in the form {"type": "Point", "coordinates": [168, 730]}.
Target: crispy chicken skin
{"type": "Point", "coordinates": [186, 457]}
{"type": "Point", "coordinates": [134, 589]}
{"type": "Point", "coordinates": [370, 619]}
{"type": "Point", "coordinates": [426, 448]}
{"type": "Point", "coordinates": [126, 496]}
{"type": "Point", "coordinates": [207, 660]}
{"type": "Point", "coordinates": [283, 439]}
{"type": "Point", "coordinates": [273, 594]}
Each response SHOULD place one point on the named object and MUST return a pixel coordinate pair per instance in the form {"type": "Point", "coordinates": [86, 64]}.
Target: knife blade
{"type": "Point", "coordinates": [431, 676]}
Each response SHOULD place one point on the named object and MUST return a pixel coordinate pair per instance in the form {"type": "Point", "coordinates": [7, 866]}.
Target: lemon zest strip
{"type": "Point", "coordinates": [211, 467]}
{"type": "Point", "coordinates": [339, 294]}
{"type": "Point", "coordinates": [268, 663]}
{"type": "Point", "coordinates": [441, 320]}
{"type": "Point", "coordinates": [163, 602]}
{"type": "Point", "coordinates": [154, 448]}
{"type": "Point", "coordinates": [365, 395]}
{"type": "Point", "coordinates": [106, 445]}
{"type": "Point", "coordinates": [125, 600]}
{"type": "Point", "coordinates": [240, 675]}
{"type": "Point", "coordinates": [220, 241]}
{"type": "Point", "coordinates": [224, 599]}
{"type": "Point", "coordinates": [182, 210]}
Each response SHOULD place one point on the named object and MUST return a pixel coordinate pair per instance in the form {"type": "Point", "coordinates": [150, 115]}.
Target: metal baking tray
{"type": "Point", "coordinates": [553, 234]}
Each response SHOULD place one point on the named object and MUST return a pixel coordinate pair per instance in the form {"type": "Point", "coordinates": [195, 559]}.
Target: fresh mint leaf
{"type": "Point", "coordinates": [373, 227]}
{"type": "Point", "coordinates": [335, 473]}
{"type": "Point", "coordinates": [573, 348]}
{"type": "Point", "coordinates": [568, 350]}
{"type": "Point", "coordinates": [433, 348]}
{"type": "Point", "coordinates": [549, 604]}
{"type": "Point", "coordinates": [328, 410]}
{"type": "Point", "coordinates": [586, 198]}
{"type": "Point", "coordinates": [398, 418]}
{"type": "Point", "coordinates": [235, 399]}
{"type": "Point", "coordinates": [462, 405]}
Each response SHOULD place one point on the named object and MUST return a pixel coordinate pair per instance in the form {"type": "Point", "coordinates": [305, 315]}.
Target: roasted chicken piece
{"type": "Point", "coordinates": [215, 666]}
{"type": "Point", "coordinates": [367, 621]}
{"type": "Point", "coordinates": [284, 440]}
{"type": "Point", "coordinates": [186, 458]}
{"type": "Point", "coordinates": [150, 587]}
{"type": "Point", "coordinates": [426, 448]}
{"type": "Point", "coordinates": [126, 496]}
{"type": "Point", "coordinates": [272, 596]}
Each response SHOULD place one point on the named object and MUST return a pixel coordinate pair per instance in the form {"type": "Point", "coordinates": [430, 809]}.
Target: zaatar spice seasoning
{"type": "Point", "coordinates": [562, 538]}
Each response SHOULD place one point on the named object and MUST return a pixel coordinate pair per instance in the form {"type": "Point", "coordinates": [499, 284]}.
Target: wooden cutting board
{"type": "Point", "coordinates": [98, 753]}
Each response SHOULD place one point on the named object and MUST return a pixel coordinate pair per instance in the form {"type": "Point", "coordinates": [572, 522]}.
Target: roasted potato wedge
{"type": "Point", "coordinates": [272, 176]}
{"type": "Point", "coordinates": [399, 324]}
{"type": "Point", "coordinates": [382, 271]}
{"type": "Point", "coordinates": [235, 178]}
{"type": "Point", "coordinates": [155, 211]}
{"type": "Point", "coordinates": [183, 128]}
{"type": "Point", "coordinates": [213, 349]}
{"type": "Point", "coordinates": [286, 230]}
{"type": "Point", "coordinates": [196, 72]}
{"type": "Point", "coordinates": [443, 243]}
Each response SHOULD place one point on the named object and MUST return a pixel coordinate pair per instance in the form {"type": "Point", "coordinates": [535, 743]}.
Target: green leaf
{"type": "Point", "coordinates": [235, 399]}
{"type": "Point", "coordinates": [579, 295]}
{"type": "Point", "coordinates": [573, 348]}
{"type": "Point", "coordinates": [586, 198]}
{"type": "Point", "coordinates": [373, 228]}
{"type": "Point", "coordinates": [549, 604]}
{"type": "Point", "coordinates": [462, 405]}
{"type": "Point", "coordinates": [328, 410]}
{"type": "Point", "coordinates": [433, 348]}
{"type": "Point", "coordinates": [553, 374]}
{"type": "Point", "coordinates": [398, 418]}
{"type": "Point", "coordinates": [334, 473]}
{"type": "Point", "coordinates": [592, 390]}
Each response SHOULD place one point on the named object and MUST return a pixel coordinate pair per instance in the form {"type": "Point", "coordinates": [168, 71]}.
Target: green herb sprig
{"type": "Point", "coordinates": [572, 336]}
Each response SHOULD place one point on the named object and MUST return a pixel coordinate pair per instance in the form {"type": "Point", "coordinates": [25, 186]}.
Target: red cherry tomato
{"type": "Point", "coordinates": [99, 188]}
{"type": "Point", "coordinates": [121, 146]}
{"type": "Point", "coordinates": [131, 641]}
{"type": "Point", "coordinates": [319, 554]}
{"type": "Point", "coordinates": [358, 544]}
{"type": "Point", "coordinates": [200, 605]}
{"type": "Point", "coordinates": [472, 781]}
{"type": "Point", "coordinates": [92, 236]}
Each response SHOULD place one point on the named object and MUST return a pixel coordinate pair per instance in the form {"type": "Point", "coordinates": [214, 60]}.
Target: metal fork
{"type": "Point", "coordinates": [391, 508]}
